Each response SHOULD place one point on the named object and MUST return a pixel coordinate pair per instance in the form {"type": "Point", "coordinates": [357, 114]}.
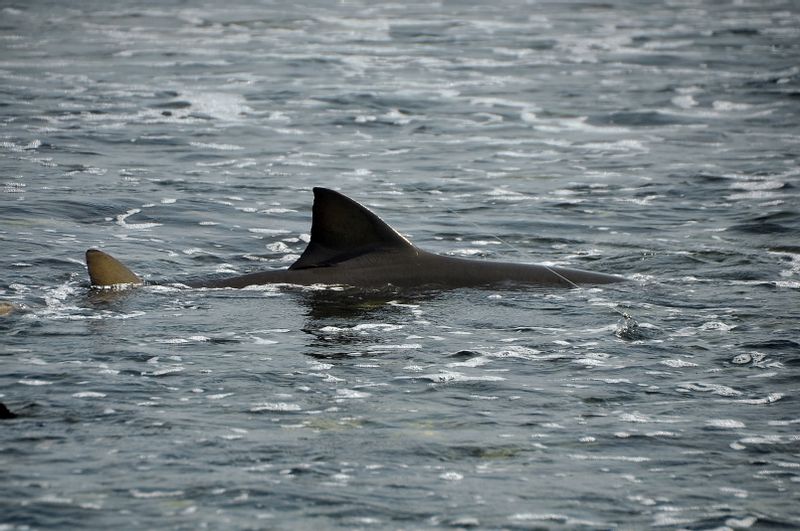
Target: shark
{"type": "Point", "coordinates": [352, 246]}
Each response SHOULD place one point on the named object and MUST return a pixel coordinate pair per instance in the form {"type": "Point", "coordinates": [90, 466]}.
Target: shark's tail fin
{"type": "Point", "coordinates": [105, 270]}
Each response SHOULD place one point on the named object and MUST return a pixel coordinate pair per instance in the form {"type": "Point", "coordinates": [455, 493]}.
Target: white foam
{"type": "Point", "coordinates": [350, 393]}
{"type": "Point", "coordinates": [122, 221]}
{"type": "Point", "coordinates": [263, 341]}
{"type": "Point", "coordinates": [684, 101]}
{"type": "Point", "coordinates": [220, 147]}
{"type": "Point", "coordinates": [156, 493]}
{"type": "Point", "coordinates": [269, 231]}
{"type": "Point", "coordinates": [279, 247]}
{"type": "Point", "coordinates": [741, 523]}
{"type": "Point", "coordinates": [725, 424]}
{"type": "Point", "coordinates": [34, 382]}
{"type": "Point", "coordinates": [89, 394]}
{"type": "Point", "coordinates": [705, 387]}
{"type": "Point", "coordinates": [769, 399]}
{"type": "Point", "coordinates": [677, 363]}
{"type": "Point", "coordinates": [402, 346]}
{"type": "Point", "coordinates": [220, 105]}
{"type": "Point", "coordinates": [166, 370]}
{"type": "Point", "coordinates": [634, 417]}
{"type": "Point", "coordinates": [721, 105]}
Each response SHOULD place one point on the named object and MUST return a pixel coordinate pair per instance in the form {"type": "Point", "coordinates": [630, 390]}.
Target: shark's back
{"type": "Point", "coordinates": [351, 245]}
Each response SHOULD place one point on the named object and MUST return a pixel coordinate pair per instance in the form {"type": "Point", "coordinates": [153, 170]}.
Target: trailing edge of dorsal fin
{"type": "Point", "coordinates": [343, 229]}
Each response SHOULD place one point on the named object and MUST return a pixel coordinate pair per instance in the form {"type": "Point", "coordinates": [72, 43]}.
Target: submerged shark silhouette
{"type": "Point", "coordinates": [352, 246]}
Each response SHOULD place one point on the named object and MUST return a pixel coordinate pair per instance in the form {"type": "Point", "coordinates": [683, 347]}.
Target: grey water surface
{"type": "Point", "coordinates": [655, 140]}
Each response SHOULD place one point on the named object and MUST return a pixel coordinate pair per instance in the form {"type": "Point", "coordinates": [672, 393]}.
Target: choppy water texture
{"type": "Point", "coordinates": [657, 140]}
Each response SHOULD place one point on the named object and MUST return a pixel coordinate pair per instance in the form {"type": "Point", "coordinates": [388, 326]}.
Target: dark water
{"type": "Point", "coordinates": [657, 140]}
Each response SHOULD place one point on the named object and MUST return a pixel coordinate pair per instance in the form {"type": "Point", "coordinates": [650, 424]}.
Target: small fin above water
{"type": "Point", "coordinates": [342, 229]}
{"type": "Point", "coordinates": [6, 308]}
{"type": "Point", "coordinates": [106, 271]}
{"type": "Point", "coordinates": [5, 413]}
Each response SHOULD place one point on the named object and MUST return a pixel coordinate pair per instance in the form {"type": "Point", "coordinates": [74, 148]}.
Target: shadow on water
{"type": "Point", "coordinates": [334, 319]}
{"type": "Point", "coordinates": [335, 322]}
{"type": "Point", "coordinates": [349, 304]}
{"type": "Point", "coordinates": [105, 299]}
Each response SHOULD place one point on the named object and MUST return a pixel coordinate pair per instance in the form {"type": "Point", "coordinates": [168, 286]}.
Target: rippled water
{"type": "Point", "coordinates": [656, 140]}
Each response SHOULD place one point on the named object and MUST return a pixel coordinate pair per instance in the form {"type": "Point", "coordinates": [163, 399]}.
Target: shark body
{"type": "Point", "coordinates": [352, 246]}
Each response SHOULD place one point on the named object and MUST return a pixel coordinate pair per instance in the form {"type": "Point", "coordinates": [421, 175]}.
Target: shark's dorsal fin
{"type": "Point", "coordinates": [107, 271]}
{"type": "Point", "coordinates": [342, 229]}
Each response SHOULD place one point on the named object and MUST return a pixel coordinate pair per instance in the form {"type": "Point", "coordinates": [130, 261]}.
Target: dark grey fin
{"type": "Point", "coordinates": [5, 413]}
{"type": "Point", "coordinates": [342, 229]}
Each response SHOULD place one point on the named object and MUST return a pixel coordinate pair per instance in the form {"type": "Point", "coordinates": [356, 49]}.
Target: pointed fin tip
{"type": "Point", "coordinates": [107, 271]}
{"type": "Point", "coordinates": [5, 413]}
{"type": "Point", "coordinates": [342, 228]}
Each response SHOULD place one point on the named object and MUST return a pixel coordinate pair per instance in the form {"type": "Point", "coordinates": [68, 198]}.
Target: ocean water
{"type": "Point", "coordinates": [655, 140]}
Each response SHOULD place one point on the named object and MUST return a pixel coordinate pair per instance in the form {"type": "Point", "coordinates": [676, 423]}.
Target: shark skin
{"type": "Point", "coordinates": [352, 246]}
